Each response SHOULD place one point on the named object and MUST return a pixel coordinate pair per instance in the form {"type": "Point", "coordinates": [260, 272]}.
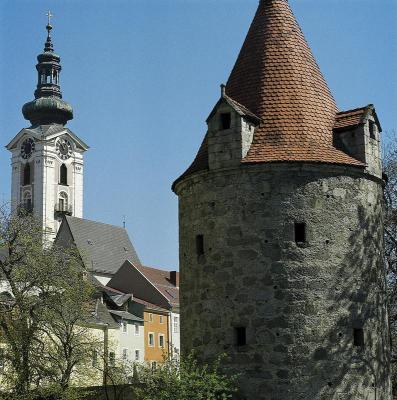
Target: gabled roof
{"type": "Point", "coordinates": [351, 118]}
{"type": "Point", "coordinates": [100, 315]}
{"type": "Point", "coordinates": [161, 280]}
{"type": "Point", "coordinates": [149, 284]}
{"type": "Point", "coordinates": [239, 108]}
{"type": "Point", "coordinates": [47, 132]}
{"type": "Point", "coordinates": [149, 305]}
{"type": "Point", "coordinates": [102, 247]}
{"type": "Point", "coordinates": [126, 315]}
{"type": "Point", "coordinates": [277, 79]}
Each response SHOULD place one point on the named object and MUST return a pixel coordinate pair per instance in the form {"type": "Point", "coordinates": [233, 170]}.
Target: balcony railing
{"type": "Point", "coordinates": [63, 209]}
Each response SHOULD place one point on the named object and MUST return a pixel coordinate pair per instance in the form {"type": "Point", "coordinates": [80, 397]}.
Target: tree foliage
{"type": "Point", "coordinates": [184, 380]}
{"type": "Point", "coordinates": [43, 309]}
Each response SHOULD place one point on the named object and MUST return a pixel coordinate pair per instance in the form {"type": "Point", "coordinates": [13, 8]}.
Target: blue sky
{"type": "Point", "coordinates": [143, 75]}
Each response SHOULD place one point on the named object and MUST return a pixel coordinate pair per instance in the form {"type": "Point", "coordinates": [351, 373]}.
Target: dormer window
{"type": "Point", "coordinates": [225, 120]}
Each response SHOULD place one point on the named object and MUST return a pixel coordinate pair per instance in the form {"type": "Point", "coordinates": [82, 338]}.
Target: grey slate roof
{"type": "Point", "coordinates": [101, 315]}
{"type": "Point", "coordinates": [103, 248]}
{"type": "Point", "coordinates": [126, 315]}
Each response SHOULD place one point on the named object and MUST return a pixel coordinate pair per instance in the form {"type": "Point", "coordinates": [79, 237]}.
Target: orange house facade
{"type": "Point", "coordinates": [156, 328]}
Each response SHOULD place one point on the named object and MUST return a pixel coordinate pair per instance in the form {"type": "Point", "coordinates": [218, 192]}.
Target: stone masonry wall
{"type": "Point", "coordinates": [299, 302]}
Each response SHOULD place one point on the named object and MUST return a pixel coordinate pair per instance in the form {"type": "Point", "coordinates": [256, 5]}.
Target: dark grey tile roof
{"type": "Point", "coordinates": [101, 316]}
{"type": "Point", "coordinates": [103, 248]}
{"type": "Point", "coordinates": [126, 315]}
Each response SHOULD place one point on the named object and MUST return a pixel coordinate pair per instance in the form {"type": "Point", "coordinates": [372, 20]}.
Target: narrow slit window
{"type": "Point", "coordinates": [359, 337]}
{"type": "Point", "coordinates": [300, 232]}
{"type": "Point", "coordinates": [241, 336]}
{"type": "Point", "coordinates": [200, 245]}
{"type": "Point", "coordinates": [226, 120]}
{"type": "Point", "coordinates": [26, 175]}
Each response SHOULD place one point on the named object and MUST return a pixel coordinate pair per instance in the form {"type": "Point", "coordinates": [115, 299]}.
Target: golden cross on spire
{"type": "Point", "coordinates": [49, 15]}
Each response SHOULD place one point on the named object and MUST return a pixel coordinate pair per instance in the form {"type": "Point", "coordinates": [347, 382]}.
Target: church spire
{"type": "Point", "coordinates": [48, 106]}
{"type": "Point", "coordinates": [48, 44]}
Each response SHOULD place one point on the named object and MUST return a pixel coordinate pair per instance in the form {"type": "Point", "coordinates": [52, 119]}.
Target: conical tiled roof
{"type": "Point", "coordinates": [277, 78]}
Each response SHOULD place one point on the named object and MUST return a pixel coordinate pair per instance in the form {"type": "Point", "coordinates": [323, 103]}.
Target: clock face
{"type": "Point", "coordinates": [64, 149]}
{"type": "Point", "coordinates": [27, 148]}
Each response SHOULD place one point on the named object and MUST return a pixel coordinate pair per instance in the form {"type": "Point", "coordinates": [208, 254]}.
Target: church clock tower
{"type": "Point", "coordinates": [47, 157]}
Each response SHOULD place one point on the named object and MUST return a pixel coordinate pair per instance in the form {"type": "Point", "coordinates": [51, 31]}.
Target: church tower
{"type": "Point", "coordinates": [47, 157]}
{"type": "Point", "coordinates": [281, 235]}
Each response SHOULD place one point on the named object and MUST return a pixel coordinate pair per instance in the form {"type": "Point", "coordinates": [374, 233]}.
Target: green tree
{"type": "Point", "coordinates": [43, 309]}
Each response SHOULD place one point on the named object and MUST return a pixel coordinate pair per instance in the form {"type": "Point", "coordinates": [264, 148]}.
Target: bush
{"type": "Point", "coordinates": [186, 380]}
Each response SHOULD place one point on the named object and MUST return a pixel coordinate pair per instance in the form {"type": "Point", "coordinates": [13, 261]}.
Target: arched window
{"type": "Point", "coordinates": [63, 201]}
{"type": "Point", "coordinates": [63, 175]}
{"type": "Point", "coordinates": [26, 174]}
{"type": "Point", "coordinates": [27, 201]}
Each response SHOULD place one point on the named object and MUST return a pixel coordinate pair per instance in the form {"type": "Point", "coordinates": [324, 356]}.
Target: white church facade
{"type": "Point", "coordinates": [47, 170]}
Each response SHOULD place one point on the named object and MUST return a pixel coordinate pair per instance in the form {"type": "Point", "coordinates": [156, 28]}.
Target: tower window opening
{"type": "Point", "coordinates": [300, 232]}
{"type": "Point", "coordinates": [200, 245]}
{"type": "Point", "coordinates": [63, 201]}
{"type": "Point", "coordinates": [241, 335]}
{"type": "Point", "coordinates": [358, 335]}
{"type": "Point", "coordinates": [371, 129]}
{"type": "Point", "coordinates": [63, 175]}
{"type": "Point", "coordinates": [27, 202]}
{"type": "Point", "coordinates": [26, 175]}
{"type": "Point", "coordinates": [226, 119]}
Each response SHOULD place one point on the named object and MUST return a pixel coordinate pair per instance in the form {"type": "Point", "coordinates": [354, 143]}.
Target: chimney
{"type": "Point", "coordinates": [174, 278]}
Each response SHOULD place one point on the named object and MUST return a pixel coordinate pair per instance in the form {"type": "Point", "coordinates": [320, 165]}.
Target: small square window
{"type": "Point", "coordinates": [200, 245]}
{"type": "Point", "coordinates": [226, 119]}
{"type": "Point", "coordinates": [241, 336]}
{"type": "Point", "coordinates": [300, 232]}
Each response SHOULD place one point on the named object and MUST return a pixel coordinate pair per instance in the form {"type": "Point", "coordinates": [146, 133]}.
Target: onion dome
{"type": "Point", "coordinates": [48, 106]}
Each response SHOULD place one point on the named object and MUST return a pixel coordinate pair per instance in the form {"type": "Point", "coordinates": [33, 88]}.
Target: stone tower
{"type": "Point", "coordinates": [47, 157]}
{"type": "Point", "coordinates": [281, 229]}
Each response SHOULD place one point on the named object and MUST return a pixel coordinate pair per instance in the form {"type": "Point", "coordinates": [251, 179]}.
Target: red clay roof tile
{"type": "Point", "coordinates": [277, 78]}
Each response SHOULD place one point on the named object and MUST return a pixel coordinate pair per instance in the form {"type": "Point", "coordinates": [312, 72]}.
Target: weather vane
{"type": "Point", "coordinates": [49, 15]}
